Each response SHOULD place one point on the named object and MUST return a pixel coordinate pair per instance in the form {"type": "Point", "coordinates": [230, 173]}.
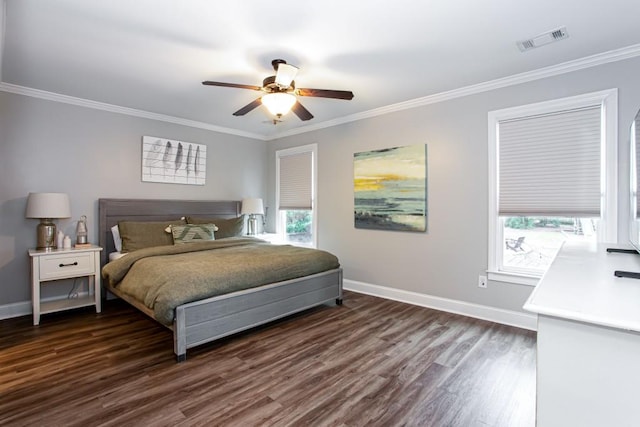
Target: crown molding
{"type": "Point", "coordinates": [56, 97]}
{"type": "Point", "coordinates": [554, 70]}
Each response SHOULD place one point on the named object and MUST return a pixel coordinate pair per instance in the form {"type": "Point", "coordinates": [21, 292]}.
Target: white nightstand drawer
{"type": "Point", "coordinates": [66, 265]}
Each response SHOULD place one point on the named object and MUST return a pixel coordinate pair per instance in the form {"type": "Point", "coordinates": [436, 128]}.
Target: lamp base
{"type": "Point", "coordinates": [252, 224]}
{"type": "Point", "coordinates": [46, 232]}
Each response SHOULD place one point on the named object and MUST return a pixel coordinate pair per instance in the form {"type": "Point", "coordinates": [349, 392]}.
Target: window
{"type": "Point", "coordinates": [552, 178]}
{"type": "Point", "coordinates": [295, 195]}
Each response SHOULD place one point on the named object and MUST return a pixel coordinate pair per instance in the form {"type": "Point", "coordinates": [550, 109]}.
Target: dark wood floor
{"type": "Point", "coordinates": [370, 362]}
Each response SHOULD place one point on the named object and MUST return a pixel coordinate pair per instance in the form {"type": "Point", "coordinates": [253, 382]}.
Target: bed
{"type": "Point", "coordinates": [204, 320]}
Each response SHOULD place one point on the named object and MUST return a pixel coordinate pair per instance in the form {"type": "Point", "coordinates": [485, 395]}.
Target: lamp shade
{"type": "Point", "coordinates": [48, 205]}
{"type": "Point", "coordinates": [278, 103]}
{"type": "Point", "coordinates": [285, 75]}
{"type": "Point", "coordinates": [252, 206]}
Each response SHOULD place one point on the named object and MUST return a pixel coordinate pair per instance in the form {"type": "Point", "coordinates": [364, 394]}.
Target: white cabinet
{"type": "Point", "coordinates": [588, 369]}
{"type": "Point", "coordinates": [60, 264]}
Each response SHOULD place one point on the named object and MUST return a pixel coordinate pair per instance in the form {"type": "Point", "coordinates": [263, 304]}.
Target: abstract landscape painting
{"type": "Point", "coordinates": [176, 162]}
{"type": "Point", "coordinates": [390, 187]}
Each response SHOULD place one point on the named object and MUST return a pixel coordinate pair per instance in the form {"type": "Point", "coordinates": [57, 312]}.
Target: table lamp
{"type": "Point", "coordinates": [46, 207]}
{"type": "Point", "coordinates": [252, 207]}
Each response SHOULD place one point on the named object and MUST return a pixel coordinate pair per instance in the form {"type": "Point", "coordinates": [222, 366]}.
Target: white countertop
{"type": "Point", "coordinates": [580, 286]}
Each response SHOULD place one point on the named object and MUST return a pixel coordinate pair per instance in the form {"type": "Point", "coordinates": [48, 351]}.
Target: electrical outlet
{"type": "Point", "coordinates": [482, 282]}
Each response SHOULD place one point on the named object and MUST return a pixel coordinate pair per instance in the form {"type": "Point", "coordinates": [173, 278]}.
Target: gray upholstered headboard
{"type": "Point", "coordinates": [113, 210]}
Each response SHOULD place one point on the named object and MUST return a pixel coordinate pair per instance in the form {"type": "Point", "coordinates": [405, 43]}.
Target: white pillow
{"type": "Point", "coordinates": [117, 241]}
{"type": "Point", "coordinates": [115, 255]}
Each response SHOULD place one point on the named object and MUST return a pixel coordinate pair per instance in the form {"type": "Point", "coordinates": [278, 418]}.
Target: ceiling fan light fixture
{"type": "Point", "coordinates": [278, 103]}
{"type": "Point", "coordinates": [285, 75]}
{"type": "Point", "coordinates": [279, 90]}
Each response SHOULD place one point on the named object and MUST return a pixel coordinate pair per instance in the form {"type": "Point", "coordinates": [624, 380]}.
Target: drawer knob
{"type": "Point", "coordinates": [68, 265]}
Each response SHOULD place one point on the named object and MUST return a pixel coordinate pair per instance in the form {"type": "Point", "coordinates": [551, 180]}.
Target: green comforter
{"type": "Point", "coordinates": [165, 277]}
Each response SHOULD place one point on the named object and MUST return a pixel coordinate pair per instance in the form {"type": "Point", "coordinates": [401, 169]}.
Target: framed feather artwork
{"type": "Point", "coordinates": [173, 162]}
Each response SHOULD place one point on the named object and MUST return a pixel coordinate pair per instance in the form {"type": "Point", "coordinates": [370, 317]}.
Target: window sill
{"type": "Point", "coordinates": [518, 279]}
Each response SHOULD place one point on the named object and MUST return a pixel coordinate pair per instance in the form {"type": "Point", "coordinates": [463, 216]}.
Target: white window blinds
{"type": "Point", "coordinates": [549, 165]}
{"type": "Point", "coordinates": [296, 172]}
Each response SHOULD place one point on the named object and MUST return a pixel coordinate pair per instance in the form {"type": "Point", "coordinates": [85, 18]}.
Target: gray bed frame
{"type": "Point", "coordinates": [206, 320]}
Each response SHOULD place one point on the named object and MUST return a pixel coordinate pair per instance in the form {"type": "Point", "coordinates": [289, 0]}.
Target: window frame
{"type": "Point", "coordinates": [608, 229]}
{"type": "Point", "coordinates": [280, 225]}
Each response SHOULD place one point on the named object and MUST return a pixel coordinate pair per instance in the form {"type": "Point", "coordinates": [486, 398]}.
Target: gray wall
{"type": "Point", "coordinates": [447, 260]}
{"type": "Point", "coordinates": [47, 146]}
{"type": "Point", "coordinates": [90, 154]}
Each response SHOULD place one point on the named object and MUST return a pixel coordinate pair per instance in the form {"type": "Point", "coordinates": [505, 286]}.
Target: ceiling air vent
{"type": "Point", "coordinates": [542, 39]}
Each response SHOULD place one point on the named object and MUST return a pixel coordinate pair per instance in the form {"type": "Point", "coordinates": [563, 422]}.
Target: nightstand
{"type": "Point", "coordinates": [58, 264]}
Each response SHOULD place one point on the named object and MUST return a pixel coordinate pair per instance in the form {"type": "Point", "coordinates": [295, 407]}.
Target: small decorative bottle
{"type": "Point", "coordinates": [81, 231]}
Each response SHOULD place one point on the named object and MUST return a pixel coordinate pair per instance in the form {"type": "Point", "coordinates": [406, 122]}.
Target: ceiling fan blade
{"type": "Point", "coordinates": [239, 86]}
{"type": "Point", "coordinates": [325, 93]}
{"type": "Point", "coordinates": [301, 112]}
{"type": "Point", "coordinates": [244, 110]}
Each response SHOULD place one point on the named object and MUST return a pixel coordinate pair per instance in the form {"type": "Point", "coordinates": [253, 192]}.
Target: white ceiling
{"type": "Point", "coordinates": [152, 55]}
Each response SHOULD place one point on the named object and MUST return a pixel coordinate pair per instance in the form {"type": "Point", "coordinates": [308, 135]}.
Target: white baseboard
{"type": "Point", "coordinates": [16, 309]}
{"type": "Point", "coordinates": [497, 315]}
{"type": "Point", "coordinates": [24, 308]}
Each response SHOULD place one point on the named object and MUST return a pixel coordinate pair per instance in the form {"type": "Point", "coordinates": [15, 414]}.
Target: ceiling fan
{"type": "Point", "coordinates": [280, 92]}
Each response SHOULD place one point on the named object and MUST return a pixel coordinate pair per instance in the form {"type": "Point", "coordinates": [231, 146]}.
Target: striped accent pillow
{"type": "Point", "coordinates": [192, 233]}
